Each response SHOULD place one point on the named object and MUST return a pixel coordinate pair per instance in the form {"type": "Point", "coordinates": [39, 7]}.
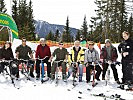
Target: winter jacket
{"type": "Point", "coordinates": [76, 58]}
{"type": "Point", "coordinates": [126, 46]}
{"type": "Point", "coordinates": [24, 52]}
{"type": "Point", "coordinates": [7, 53]}
{"type": "Point", "coordinates": [91, 56]}
{"type": "Point", "coordinates": [1, 49]}
{"type": "Point", "coordinates": [60, 54]}
{"type": "Point", "coordinates": [114, 54]}
{"type": "Point", "coordinates": [42, 51]}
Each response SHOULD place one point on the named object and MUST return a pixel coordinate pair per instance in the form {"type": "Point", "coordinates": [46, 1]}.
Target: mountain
{"type": "Point", "coordinates": [42, 28]}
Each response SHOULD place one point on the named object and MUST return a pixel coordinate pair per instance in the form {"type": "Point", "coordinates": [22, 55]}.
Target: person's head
{"type": "Point", "coordinates": [107, 43]}
{"type": "Point", "coordinates": [91, 45]}
{"type": "Point", "coordinates": [76, 44]}
{"type": "Point", "coordinates": [42, 41]}
{"type": "Point", "coordinates": [81, 37]}
{"type": "Point", "coordinates": [1, 45]}
{"type": "Point", "coordinates": [7, 45]}
{"type": "Point", "coordinates": [23, 41]}
{"type": "Point", "coordinates": [60, 44]}
{"type": "Point", "coordinates": [125, 35]}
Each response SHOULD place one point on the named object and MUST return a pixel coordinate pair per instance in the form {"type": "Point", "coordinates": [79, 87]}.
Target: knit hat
{"type": "Point", "coordinates": [107, 40]}
{"type": "Point", "coordinates": [42, 39]}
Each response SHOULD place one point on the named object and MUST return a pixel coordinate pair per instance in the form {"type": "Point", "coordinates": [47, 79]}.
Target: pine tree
{"type": "Point", "coordinates": [66, 36]}
{"type": "Point", "coordinates": [56, 37]}
{"type": "Point", "coordinates": [2, 7]}
{"type": "Point", "coordinates": [15, 11]}
{"type": "Point", "coordinates": [78, 35]}
{"type": "Point", "coordinates": [130, 26]}
{"type": "Point", "coordinates": [50, 36]}
{"type": "Point", "coordinates": [84, 28]}
{"type": "Point", "coordinates": [31, 22]}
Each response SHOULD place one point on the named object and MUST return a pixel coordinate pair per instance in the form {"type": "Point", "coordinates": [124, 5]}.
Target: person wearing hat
{"type": "Point", "coordinates": [23, 51]}
{"type": "Point", "coordinates": [109, 56]}
{"type": "Point", "coordinates": [43, 51]}
{"type": "Point", "coordinates": [61, 55]}
{"type": "Point", "coordinates": [92, 57]}
{"type": "Point", "coordinates": [82, 41]}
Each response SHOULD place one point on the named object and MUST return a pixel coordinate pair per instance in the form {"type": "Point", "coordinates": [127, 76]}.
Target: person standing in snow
{"type": "Point", "coordinates": [109, 56]}
{"type": "Point", "coordinates": [42, 51]}
{"type": "Point", "coordinates": [126, 50]}
{"type": "Point", "coordinates": [92, 56]}
{"type": "Point", "coordinates": [76, 55]}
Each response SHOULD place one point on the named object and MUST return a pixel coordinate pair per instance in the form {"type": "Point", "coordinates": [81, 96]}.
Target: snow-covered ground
{"type": "Point", "coordinates": [34, 90]}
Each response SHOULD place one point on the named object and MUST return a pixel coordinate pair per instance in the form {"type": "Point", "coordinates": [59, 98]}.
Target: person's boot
{"type": "Point", "coordinates": [53, 77]}
{"type": "Point", "coordinates": [31, 72]}
{"type": "Point", "coordinates": [80, 78]}
{"type": "Point", "coordinates": [64, 78]}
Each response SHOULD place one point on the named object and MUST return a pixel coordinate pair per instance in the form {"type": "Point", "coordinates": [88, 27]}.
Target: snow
{"type": "Point", "coordinates": [34, 90]}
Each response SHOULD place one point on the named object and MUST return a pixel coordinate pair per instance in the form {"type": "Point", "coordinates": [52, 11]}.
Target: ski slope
{"type": "Point", "coordinates": [34, 90]}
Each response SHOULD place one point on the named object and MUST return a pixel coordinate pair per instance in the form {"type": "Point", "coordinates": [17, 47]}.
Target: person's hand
{"type": "Point", "coordinates": [125, 54]}
{"type": "Point", "coordinates": [109, 62]}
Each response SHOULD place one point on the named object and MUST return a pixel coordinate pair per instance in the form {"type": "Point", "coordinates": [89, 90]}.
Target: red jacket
{"type": "Point", "coordinates": [41, 51]}
{"type": "Point", "coordinates": [114, 54]}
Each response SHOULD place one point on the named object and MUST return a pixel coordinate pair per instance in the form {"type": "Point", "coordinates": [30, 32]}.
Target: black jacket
{"type": "Point", "coordinates": [126, 46]}
{"type": "Point", "coordinates": [7, 54]}
{"type": "Point", "coordinates": [1, 49]}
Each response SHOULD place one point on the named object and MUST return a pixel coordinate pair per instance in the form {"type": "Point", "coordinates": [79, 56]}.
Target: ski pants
{"type": "Point", "coordinates": [127, 70]}
{"type": "Point", "coordinates": [113, 67]}
{"type": "Point", "coordinates": [38, 62]}
{"type": "Point", "coordinates": [88, 71]}
{"type": "Point", "coordinates": [54, 65]}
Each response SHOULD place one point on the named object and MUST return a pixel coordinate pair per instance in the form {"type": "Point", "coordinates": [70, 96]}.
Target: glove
{"type": "Point", "coordinates": [109, 62]}
{"type": "Point", "coordinates": [125, 54]}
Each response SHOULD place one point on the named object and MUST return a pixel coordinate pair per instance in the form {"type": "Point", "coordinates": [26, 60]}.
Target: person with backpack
{"type": "Point", "coordinates": [91, 60]}
{"type": "Point", "coordinates": [109, 56]}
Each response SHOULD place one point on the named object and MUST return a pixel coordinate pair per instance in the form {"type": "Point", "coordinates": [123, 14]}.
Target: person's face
{"type": "Point", "coordinates": [60, 45]}
{"type": "Point", "coordinates": [77, 44]}
{"type": "Point", "coordinates": [91, 46]}
{"type": "Point", "coordinates": [23, 41]}
{"type": "Point", "coordinates": [107, 44]}
{"type": "Point", "coordinates": [42, 42]}
{"type": "Point", "coordinates": [125, 36]}
{"type": "Point", "coordinates": [7, 45]}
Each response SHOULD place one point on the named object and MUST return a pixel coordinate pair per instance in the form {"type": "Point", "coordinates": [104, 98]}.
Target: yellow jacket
{"type": "Point", "coordinates": [80, 56]}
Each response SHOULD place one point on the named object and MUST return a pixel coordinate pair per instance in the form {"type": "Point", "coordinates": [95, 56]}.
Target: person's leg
{"type": "Point", "coordinates": [63, 70]}
{"type": "Point", "coordinates": [38, 68]}
{"type": "Point", "coordinates": [113, 67]}
{"type": "Point", "coordinates": [80, 72]}
{"type": "Point", "coordinates": [105, 67]}
{"type": "Point", "coordinates": [70, 70]}
{"type": "Point", "coordinates": [98, 69]}
{"type": "Point", "coordinates": [53, 68]}
{"type": "Point", "coordinates": [88, 74]}
{"type": "Point", "coordinates": [48, 69]}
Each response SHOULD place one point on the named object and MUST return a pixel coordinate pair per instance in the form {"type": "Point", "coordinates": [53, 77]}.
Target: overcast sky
{"type": "Point", "coordinates": [56, 11]}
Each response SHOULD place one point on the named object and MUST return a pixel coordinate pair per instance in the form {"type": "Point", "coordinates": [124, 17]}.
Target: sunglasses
{"type": "Point", "coordinates": [60, 43]}
{"type": "Point", "coordinates": [23, 40]}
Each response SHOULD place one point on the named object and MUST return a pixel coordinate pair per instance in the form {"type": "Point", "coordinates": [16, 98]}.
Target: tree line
{"type": "Point", "coordinates": [112, 18]}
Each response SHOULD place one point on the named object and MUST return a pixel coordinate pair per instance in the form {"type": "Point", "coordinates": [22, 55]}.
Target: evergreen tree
{"type": "Point", "coordinates": [66, 37]}
{"type": "Point", "coordinates": [15, 11]}
{"type": "Point", "coordinates": [130, 26]}
{"type": "Point", "coordinates": [2, 7]}
{"type": "Point", "coordinates": [84, 28]}
{"type": "Point", "coordinates": [78, 35]}
{"type": "Point", "coordinates": [31, 21]}
{"type": "Point", "coordinates": [50, 36]}
{"type": "Point", "coordinates": [56, 37]}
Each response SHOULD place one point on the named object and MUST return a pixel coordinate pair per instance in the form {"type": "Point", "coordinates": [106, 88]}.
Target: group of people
{"type": "Point", "coordinates": [89, 57]}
